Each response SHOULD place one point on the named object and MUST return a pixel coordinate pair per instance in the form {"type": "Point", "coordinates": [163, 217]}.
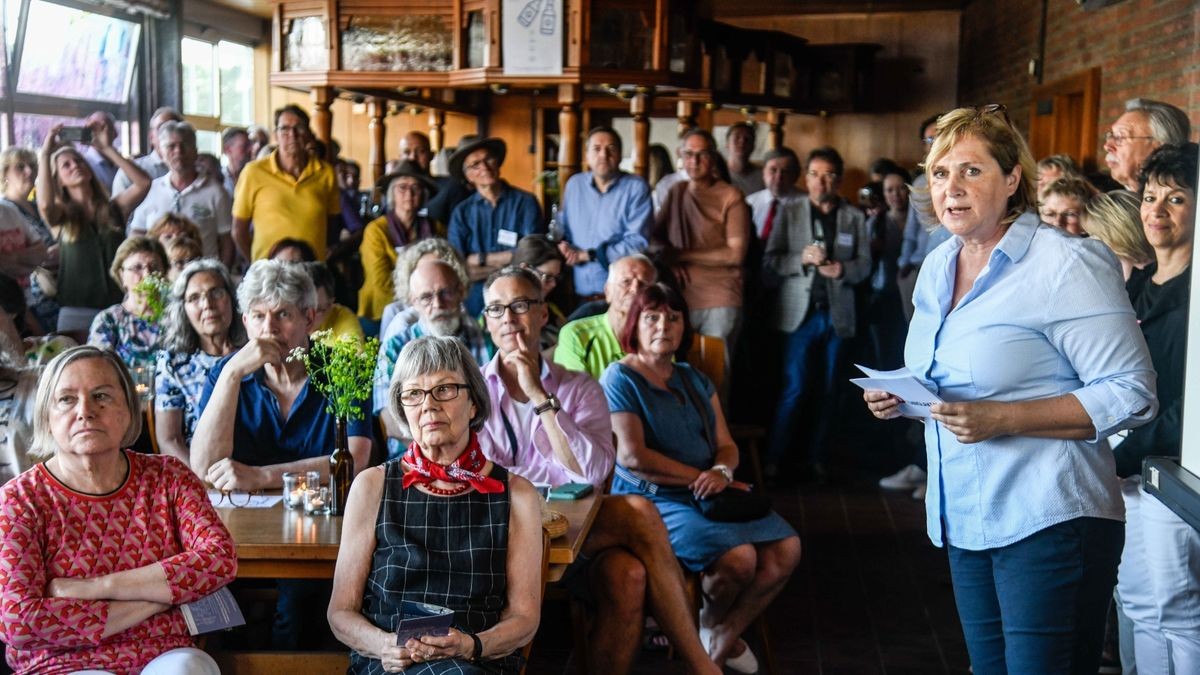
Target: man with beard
{"type": "Point", "coordinates": [185, 191]}
{"type": "Point", "coordinates": [1145, 125]}
{"type": "Point", "coordinates": [606, 214]}
{"type": "Point", "coordinates": [436, 292]}
{"type": "Point", "coordinates": [818, 250]}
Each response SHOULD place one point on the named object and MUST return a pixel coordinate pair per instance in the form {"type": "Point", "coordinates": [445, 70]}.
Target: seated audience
{"type": "Point", "coordinates": [403, 539]}
{"type": "Point", "coordinates": [18, 169]}
{"type": "Point", "coordinates": [398, 314]}
{"type": "Point", "coordinates": [129, 327]}
{"type": "Point", "coordinates": [405, 192]}
{"type": "Point", "coordinates": [181, 252]}
{"type": "Point", "coordinates": [1115, 218]}
{"type": "Point", "coordinates": [1158, 581]}
{"type": "Point", "coordinates": [331, 316]}
{"type": "Point", "coordinates": [1026, 337]}
{"type": "Point", "coordinates": [590, 344]}
{"type": "Point", "coordinates": [551, 426]}
{"type": "Point", "coordinates": [1061, 203]}
{"type": "Point", "coordinates": [486, 226]}
{"type": "Point", "coordinates": [539, 255]}
{"type": "Point", "coordinates": [436, 292]}
{"type": "Point", "coordinates": [674, 448]}
{"type": "Point", "coordinates": [87, 224]}
{"type": "Point", "coordinates": [102, 545]}
{"type": "Point", "coordinates": [201, 325]}
{"type": "Point", "coordinates": [292, 250]}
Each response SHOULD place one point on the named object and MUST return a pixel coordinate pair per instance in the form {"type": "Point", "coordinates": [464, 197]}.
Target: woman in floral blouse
{"type": "Point", "coordinates": [129, 327]}
{"type": "Point", "coordinates": [201, 325]}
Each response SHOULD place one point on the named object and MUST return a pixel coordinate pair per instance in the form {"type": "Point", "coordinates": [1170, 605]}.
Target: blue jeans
{"type": "Point", "coordinates": [812, 349]}
{"type": "Point", "coordinates": [1038, 606]}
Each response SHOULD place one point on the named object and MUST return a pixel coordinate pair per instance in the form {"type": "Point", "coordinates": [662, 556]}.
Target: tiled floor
{"type": "Point", "coordinates": [871, 595]}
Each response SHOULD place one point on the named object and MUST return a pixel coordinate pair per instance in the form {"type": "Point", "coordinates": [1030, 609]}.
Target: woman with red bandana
{"type": "Point", "coordinates": [441, 525]}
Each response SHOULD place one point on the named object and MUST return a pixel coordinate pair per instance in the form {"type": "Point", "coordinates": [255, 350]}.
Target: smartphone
{"type": "Point", "coordinates": [75, 134]}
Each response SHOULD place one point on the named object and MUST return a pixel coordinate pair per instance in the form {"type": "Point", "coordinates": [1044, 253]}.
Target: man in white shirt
{"type": "Point", "coordinates": [781, 170]}
{"type": "Point", "coordinates": [152, 163]}
{"type": "Point", "coordinates": [184, 190]}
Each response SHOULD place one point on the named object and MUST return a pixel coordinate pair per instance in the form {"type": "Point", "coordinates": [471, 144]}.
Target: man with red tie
{"type": "Point", "coordinates": [781, 169]}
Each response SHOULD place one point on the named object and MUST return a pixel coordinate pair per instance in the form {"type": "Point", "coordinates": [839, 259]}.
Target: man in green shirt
{"type": "Point", "coordinates": [591, 343]}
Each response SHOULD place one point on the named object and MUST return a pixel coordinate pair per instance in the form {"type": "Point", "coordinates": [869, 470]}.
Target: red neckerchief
{"type": "Point", "coordinates": [465, 469]}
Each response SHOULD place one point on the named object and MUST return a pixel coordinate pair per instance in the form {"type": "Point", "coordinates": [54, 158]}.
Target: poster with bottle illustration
{"type": "Point", "coordinates": [533, 37]}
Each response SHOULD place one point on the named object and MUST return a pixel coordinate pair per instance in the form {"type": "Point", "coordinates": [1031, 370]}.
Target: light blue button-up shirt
{"type": "Point", "coordinates": [616, 223]}
{"type": "Point", "coordinates": [1047, 316]}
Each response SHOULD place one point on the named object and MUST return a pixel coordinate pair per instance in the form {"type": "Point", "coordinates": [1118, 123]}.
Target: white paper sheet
{"type": "Point", "coordinates": [902, 384]}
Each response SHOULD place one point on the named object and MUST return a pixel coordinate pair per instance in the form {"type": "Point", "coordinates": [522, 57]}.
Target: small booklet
{"type": "Point", "coordinates": [214, 612]}
{"type": "Point", "coordinates": [418, 619]}
{"type": "Point", "coordinates": [902, 384]}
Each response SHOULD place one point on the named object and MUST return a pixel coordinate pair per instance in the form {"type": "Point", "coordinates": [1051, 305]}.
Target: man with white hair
{"type": "Point", "coordinates": [1145, 125]}
{"type": "Point", "coordinates": [186, 191]}
{"type": "Point", "coordinates": [436, 293]}
{"type": "Point", "coordinates": [152, 162]}
{"type": "Point", "coordinates": [590, 344]}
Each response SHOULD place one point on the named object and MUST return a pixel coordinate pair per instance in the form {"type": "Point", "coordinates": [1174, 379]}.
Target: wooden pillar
{"type": "Point", "coordinates": [322, 118]}
{"type": "Point", "coordinates": [568, 133]}
{"type": "Point", "coordinates": [685, 113]}
{"type": "Point", "coordinates": [639, 108]}
{"type": "Point", "coordinates": [775, 129]}
{"type": "Point", "coordinates": [377, 131]}
{"type": "Point", "coordinates": [437, 129]}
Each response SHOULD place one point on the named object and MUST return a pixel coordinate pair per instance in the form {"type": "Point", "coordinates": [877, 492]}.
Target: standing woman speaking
{"type": "Point", "coordinates": [1027, 335]}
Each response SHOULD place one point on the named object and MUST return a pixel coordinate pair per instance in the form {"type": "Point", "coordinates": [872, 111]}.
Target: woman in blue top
{"type": "Point", "coordinates": [673, 447]}
{"type": "Point", "coordinates": [1027, 335]}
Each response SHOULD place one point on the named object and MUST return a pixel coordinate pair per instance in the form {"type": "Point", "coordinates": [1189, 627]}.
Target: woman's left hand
{"type": "Point", "coordinates": [708, 483]}
{"type": "Point", "coordinates": [456, 644]}
{"type": "Point", "coordinates": [972, 421]}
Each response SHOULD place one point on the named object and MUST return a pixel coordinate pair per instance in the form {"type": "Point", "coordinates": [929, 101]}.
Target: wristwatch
{"type": "Point", "coordinates": [724, 471]}
{"type": "Point", "coordinates": [551, 403]}
{"type": "Point", "coordinates": [477, 651]}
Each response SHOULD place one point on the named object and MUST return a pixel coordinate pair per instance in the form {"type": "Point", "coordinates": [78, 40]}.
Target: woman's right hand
{"type": "Point", "coordinates": [882, 405]}
{"type": "Point", "coordinates": [51, 142]}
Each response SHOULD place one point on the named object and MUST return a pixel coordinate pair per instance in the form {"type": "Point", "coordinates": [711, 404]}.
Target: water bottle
{"type": "Point", "coordinates": [554, 231]}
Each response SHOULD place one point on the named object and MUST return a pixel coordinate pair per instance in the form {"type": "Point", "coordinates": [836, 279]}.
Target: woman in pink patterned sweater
{"type": "Point", "coordinates": [99, 545]}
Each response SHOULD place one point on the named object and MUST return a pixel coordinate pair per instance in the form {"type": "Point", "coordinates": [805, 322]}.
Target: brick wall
{"type": "Point", "coordinates": [1148, 48]}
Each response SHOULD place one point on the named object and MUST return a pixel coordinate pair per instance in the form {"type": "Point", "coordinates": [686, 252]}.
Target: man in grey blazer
{"type": "Point", "coordinates": [817, 251]}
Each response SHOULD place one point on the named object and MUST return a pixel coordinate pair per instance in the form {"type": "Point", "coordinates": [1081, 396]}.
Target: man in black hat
{"type": "Point", "coordinates": [487, 225]}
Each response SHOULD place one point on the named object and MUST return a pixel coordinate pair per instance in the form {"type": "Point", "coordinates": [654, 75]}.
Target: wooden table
{"type": "Point", "coordinates": [282, 543]}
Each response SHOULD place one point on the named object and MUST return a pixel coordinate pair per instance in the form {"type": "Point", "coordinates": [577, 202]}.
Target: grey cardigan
{"type": "Point", "coordinates": [783, 265]}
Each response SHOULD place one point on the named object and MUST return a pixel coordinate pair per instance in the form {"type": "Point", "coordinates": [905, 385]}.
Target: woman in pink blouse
{"type": "Point", "coordinates": [100, 545]}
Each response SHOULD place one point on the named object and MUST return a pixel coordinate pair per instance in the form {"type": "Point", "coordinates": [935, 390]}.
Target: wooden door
{"type": "Point", "coordinates": [1064, 117]}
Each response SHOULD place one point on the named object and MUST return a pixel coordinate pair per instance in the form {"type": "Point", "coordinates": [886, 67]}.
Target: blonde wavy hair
{"type": "Point", "coordinates": [1115, 218]}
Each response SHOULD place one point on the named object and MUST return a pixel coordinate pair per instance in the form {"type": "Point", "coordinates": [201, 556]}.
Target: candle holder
{"type": "Point", "coordinates": [316, 501]}
{"type": "Point", "coordinates": [294, 486]}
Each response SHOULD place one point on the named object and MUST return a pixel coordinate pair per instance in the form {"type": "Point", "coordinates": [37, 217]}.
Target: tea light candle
{"type": "Point", "coordinates": [315, 500]}
{"type": "Point", "coordinates": [294, 485]}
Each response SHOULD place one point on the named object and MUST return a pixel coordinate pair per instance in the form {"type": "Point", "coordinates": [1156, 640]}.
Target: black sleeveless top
{"type": "Point", "coordinates": [447, 551]}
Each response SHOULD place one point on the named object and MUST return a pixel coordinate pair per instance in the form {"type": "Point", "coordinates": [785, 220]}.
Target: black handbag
{"type": "Point", "coordinates": [731, 505]}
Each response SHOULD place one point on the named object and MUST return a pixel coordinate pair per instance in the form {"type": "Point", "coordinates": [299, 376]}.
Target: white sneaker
{"type": "Point", "coordinates": [907, 478]}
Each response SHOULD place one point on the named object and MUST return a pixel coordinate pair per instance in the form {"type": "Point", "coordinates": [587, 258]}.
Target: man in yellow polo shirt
{"type": "Point", "coordinates": [287, 194]}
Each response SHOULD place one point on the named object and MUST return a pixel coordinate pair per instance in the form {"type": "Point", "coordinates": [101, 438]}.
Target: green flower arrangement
{"type": "Point", "coordinates": [155, 288]}
{"type": "Point", "coordinates": [342, 369]}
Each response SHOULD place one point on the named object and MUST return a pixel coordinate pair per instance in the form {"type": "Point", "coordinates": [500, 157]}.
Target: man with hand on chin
{"type": "Point", "coordinates": [552, 426]}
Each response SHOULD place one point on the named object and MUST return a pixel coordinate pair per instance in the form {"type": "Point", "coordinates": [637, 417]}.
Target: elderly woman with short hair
{"type": "Point", "coordinates": [102, 545]}
{"type": "Point", "coordinates": [201, 326]}
{"type": "Point", "coordinates": [1062, 202]}
{"type": "Point", "coordinates": [441, 525]}
{"type": "Point", "coordinates": [1115, 219]}
{"type": "Point", "coordinates": [128, 328]}
{"type": "Point", "coordinates": [1025, 335]}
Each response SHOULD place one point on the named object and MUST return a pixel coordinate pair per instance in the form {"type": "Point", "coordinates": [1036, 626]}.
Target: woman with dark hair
{"type": "Point", "coordinates": [1159, 579]}
{"type": "Point", "coordinates": [674, 448]}
{"type": "Point", "coordinates": [129, 327]}
{"type": "Point", "coordinates": [660, 164]}
{"type": "Point", "coordinates": [292, 250]}
{"type": "Point", "coordinates": [201, 325]}
{"type": "Point", "coordinates": [86, 223]}
{"type": "Point", "coordinates": [331, 316]}
{"type": "Point", "coordinates": [539, 255]}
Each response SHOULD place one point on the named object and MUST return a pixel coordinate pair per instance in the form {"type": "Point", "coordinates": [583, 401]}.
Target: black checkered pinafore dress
{"type": "Point", "coordinates": [447, 551]}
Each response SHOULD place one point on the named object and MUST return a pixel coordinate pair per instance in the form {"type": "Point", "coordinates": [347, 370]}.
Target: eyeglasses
{"type": "Point", "coordinates": [442, 392]}
{"type": "Point", "coordinates": [518, 307]}
{"type": "Point", "coordinates": [139, 268]}
{"type": "Point", "coordinates": [928, 140]}
{"type": "Point", "coordinates": [993, 109]}
{"type": "Point", "coordinates": [446, 296]}
{"type": "Point", "coordinates": [1052, 217]}
{"type": "Point", "coordinates": [697, 154]}
{"type": "Point", "coordinates": [547, 277]}
{"type": "Point", "coordinates": [480, 163]}
{"type": "Point", "coordinates": [237, 498]}
{"type": "Point", "coordinates": [824, 176]}
{"type": "Point", "coordinates": [1120, 140]}
{"type": "Point", "coordinates": [212, 295]}
{"type": "Point", "coordinates": [289, 130]}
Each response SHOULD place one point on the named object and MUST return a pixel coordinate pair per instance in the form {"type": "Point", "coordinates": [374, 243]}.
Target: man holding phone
{"type": "Point", "coordinates": [552, 426]}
